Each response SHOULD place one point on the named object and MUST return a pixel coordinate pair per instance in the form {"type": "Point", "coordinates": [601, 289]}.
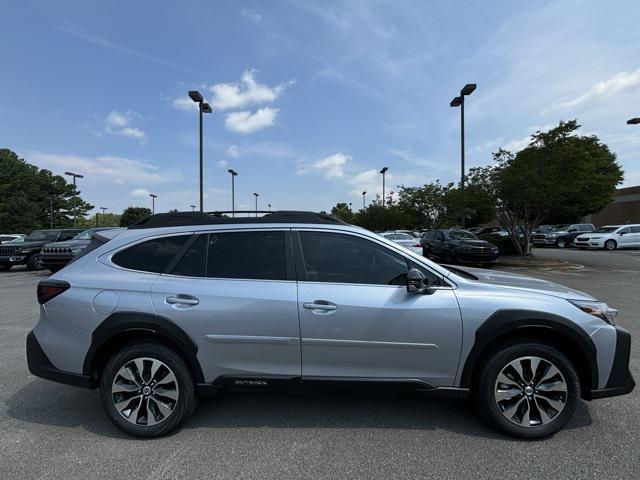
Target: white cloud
{"type": "Point", "coordinates": [247, 122]}
{"type": "Point", "coordinates": [246, 92]}
{"type": "Point", "coordinates": [139, 193]}
{"type": "Point", "coordinates": [185, 103]}
{"type": "Point", "coordinates": [618, 83]}
{"type": "Point", "coordinates": [222, 163]}
{"type": "Point", "coordinates": [252, 15]}
{"type": "Point", "coordinates": [371, 182]}
{"type": "Point", "coordinates": [233, 151]}
{"type": "Point", "coordinates": [517, 145]}
{"type": "Point", "coordinates": [108, 168]}
{"type": "Point", "coordinates": [332, 166]}
{"type": "Point", "coordinates": [117, 123]}
{"type": "Point", "coordinates": [261, 149]}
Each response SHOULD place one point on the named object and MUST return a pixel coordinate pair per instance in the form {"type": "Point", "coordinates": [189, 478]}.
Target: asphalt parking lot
{"type": "Point", "coordinates": [56, 431]}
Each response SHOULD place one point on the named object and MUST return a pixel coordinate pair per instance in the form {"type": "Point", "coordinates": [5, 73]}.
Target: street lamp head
{"type": "Point", "coordinates": [364, 193]}
{"type": "Point", "coordinates": [456, 102]}
{"type": "Point", "coordinates": [232, 172]}
{"type": "Point", "coordinates": [384, 170]}
{"type": "Point", "coordinates": [206, 108]}
{"type": "Point", "coordinates": [256, 194]}
{"type": "Point", "coordinates": [195, 96]}
{"type": "Point", "coordinates": [633, 121]}
{"type": "Point", "coordinates": [152, 195]}
{"type": "Point", "coordinates": [468, 89]}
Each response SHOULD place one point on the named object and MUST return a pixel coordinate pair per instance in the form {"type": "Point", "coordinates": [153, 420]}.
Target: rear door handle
{"type": "Point", "coordinates": [320, 305]}
{"type": "Point", "coordinates": [182, 299]}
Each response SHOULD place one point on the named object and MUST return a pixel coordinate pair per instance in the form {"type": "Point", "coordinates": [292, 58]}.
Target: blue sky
{"type": "Point", "coordinates": [311, 99]}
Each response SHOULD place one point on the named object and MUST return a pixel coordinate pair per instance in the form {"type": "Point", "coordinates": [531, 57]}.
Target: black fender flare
{"type": "Point", "coordinates": [122, 322]}
{"type": "Point", "coordinates": [509, 321]}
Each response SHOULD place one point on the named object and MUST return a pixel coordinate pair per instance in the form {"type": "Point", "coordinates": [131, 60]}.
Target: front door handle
{"type": "Point", "coordinates": [320, 305]}
{"type": "Point", "coordinates": [182, 299]}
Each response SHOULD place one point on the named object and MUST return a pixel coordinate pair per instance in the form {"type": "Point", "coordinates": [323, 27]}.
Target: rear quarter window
{"type": "Point", "coordinates": [152, 255]}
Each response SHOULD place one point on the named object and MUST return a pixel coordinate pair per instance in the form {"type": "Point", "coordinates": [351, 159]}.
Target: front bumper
{"type": "Point", "coordinates": [620, 379]}
{"type": "Point", "coordinates": [475, 258]}
{"type": "Point", "coordinates": [40, 365]}
{"type": "Point", "coordinates": [60, 259]}
{"type": "Point", "coordinates": [12, 259]}
{"type": "Point", "coordinates": [544, 241]}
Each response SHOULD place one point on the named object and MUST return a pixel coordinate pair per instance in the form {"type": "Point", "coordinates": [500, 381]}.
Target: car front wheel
{"type": "Point", "coordinates": [528, 390]}
{"type": "Point", "coordinates": [610, 245]}
{"type": "Point", "coordinates": [34, 262]}
{"type": "Point", "coordinates": [561, 243]}
{"type": "Point", "coordinates": [147, 390]}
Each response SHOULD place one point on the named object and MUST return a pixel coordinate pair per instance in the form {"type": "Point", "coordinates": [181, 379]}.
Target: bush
{"type": "Point", "coordinates": [504, 244]}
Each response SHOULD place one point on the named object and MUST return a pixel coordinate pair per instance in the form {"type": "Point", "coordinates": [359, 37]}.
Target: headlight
{"type": "Point", "coordinates": [75, 250]}
{"type": "Point", "coordinates": [552, 235]}
{"type": "Point", "coordinates": [25, 250]}
{"type": "Point", "coordinates": [598, 309]}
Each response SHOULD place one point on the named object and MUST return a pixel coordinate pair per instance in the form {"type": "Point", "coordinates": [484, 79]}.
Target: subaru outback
{"type": "Point", "coordinates": [185, 304]}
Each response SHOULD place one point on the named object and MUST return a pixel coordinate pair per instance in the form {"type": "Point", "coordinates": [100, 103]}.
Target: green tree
{"type": "Point", "coordinates": [343, 212]}
{"type": "Point", "coordinates": [478, 205]}
{"type": "Point", "coordinates": [27, 194]}
{"type": "Point", "coordinates": [423, 207]}
{"type": "Point", "coordinates": [558, 177]}
{"type": "Point", "coordinates": [133, 214]}
{"type": "Point", "coordinates": [100, 220]}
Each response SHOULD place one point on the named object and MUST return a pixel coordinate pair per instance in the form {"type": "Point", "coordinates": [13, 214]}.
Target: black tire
{"type": "Point", "coordinates": [486, 383]}
{"type": "Point", "coordinates": [610, 245]}
{"type": "Point", "coordinates": [561, 243]}
{"type": "Point", "coordinates": [5, 267]}
{"type": "Point", "coordinates": [33, 262]}
{"type": "Point", "coordinates": [186, 393]}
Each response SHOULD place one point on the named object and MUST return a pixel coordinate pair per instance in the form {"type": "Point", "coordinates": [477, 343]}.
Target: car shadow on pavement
{"type": "Point", "coordinates": [47, 403]}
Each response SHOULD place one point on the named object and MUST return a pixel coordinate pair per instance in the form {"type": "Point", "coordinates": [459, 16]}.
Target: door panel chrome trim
{"type": "Point", "coordinates": [366, 343]}
{"type": "Point", "coordinates": [245, 339]}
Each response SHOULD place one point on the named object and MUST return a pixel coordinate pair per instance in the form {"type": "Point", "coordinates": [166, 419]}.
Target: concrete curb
{"type": "Point", "coordinates": [533, 262]}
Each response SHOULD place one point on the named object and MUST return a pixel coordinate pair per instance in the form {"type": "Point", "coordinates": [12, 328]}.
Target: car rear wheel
{"type": "Point", "coordinates": [528, 390]}
{"type": "Point", "coordinates": [34, 262]}
{"type": "Point", "coordinates": [610, 245]}
{"type": "Point", "coordinates": [147, 390]}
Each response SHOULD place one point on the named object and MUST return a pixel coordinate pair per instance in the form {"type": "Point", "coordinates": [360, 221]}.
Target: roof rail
{"type": "Point", "coordinates": [183, 219]}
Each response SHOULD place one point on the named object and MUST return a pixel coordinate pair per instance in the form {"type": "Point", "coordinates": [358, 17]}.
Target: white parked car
{"type": "Point", "coordinates": [610, 237]}
{"type": "Point", "coordinates": [404, 239]}
{"type": "Point", "coordinates": [10, 237]}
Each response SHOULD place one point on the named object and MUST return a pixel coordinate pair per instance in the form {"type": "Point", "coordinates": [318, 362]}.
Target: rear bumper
{"type": "Point", "coordinates": [40, 365]}
{"type": "Point", "coordinates": [620, 380]}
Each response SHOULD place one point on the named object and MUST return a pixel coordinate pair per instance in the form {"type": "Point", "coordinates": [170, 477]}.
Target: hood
{"type": "Point", "coordinates": [68, 243]}
{"type": "Point", "coordinates": [465, 242]}
{"type": "Point", "coordinates": [29, 244]}
{"type": "Point", "coordinates": [523, 282]}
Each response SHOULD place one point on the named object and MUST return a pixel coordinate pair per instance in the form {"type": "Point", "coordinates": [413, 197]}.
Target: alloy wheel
{"type": "Point", "coordinates": [145, 391]}
{"type": "Point", "coordinates": [530, 391]}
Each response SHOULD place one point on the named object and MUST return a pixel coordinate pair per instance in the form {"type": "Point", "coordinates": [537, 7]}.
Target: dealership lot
{"type": "Point", "coordinates": [55, 431]}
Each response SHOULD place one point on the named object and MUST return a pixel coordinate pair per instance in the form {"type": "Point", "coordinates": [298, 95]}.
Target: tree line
{"type": "Point", "coordinates": [559, 177]}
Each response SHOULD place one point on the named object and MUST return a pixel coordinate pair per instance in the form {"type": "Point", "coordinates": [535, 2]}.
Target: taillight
{"type": "Point", "coordinates": [417, 245]}
{"type": "Point", "coordinates": [48, 289]}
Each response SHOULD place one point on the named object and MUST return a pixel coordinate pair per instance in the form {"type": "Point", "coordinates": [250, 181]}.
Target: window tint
{"type": "Point", "coordinates": [152, 255]}
{"type": "Point", "coordinates": [625, 230]}
{"type": "Point", "coordinates": [635, 229]}
{"type": "Point", "coordinates": [338, 258]}
{"type": "Point", "coordinates": [250, 255]}
{"type": "Point", "coordinates": [192, 264]}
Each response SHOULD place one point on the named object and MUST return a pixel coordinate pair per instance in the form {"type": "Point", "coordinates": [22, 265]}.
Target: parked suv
{"type": "Point", "coordinates": [458, 246]}
{"type": "Point", "coordinates": [562, 235]}
{"type": "Point", "coordinates": [180, 305]}
{"type": "Point", "coordinates": [611, 237]}
{"type": "Point", "coordinates": [56, 255]}
{"type": "Point", "coordinates": [27, 251]}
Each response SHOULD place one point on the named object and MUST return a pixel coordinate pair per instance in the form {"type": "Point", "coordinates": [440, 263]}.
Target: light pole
{"type": "Point", "coordinates": [193, 208]}
{"type": "Point", "coordinates": [51, 212]}
{"type": "Point", "coordinates": [633, 121]}
{"type": "Point", "coordinates": [350, 209]}
{"type": "Point", "coordinates": [383, 172]}
{"type": "Point", "coordinates": [203, 108]}
{"type": "Point", "coordinates": [256, 195]}
{"type": "Point", "coordinates": [459, 102]}
{"type": "Point", "coordinates": [364, 203]}
{"type": "Point", "coordinates": [234, 174]}
{"type": "Point", "coordinates": [153, 202]}
{"type": "Point", "coordinates": [269, 207]}
{"type": "Point", "coordinates": [103, 210]}
{"type": "Point", "coordinates": [74, 175]}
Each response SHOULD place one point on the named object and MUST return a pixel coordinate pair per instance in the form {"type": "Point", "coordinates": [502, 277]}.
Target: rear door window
{"type": "Point", "coordinates": [152, 255]}
{"type": "Point", "coordinates": [258, 255]}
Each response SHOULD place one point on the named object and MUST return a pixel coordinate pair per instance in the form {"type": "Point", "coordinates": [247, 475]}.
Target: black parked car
{"type": "Point", "coordinates": [27, 252]}
{"type": "Point", "coordinates": [458, 246]}
{"type": "Point", "coordinates": [56, 255]}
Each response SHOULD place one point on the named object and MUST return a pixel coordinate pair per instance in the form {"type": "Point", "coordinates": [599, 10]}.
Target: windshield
{"type": "Point", "coordinates": [86, 235]}
{"type": "Point", "coordinates": [560, 228]}
{"type": "Point", "coordinates": [605, 229]}
{"type": "Point", "coordinates": [38, 235]}
{"type": "Point", "coordinates": [463, 234]}
{"type": "Point", "coordinates": [398, 236]}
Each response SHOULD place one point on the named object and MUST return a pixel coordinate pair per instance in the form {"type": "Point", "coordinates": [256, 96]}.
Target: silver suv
{"type": "Point", "coordinates": [181, 305]}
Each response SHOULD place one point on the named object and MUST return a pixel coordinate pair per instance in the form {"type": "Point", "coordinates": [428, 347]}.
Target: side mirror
{"type": "Point", "coordinates": [417, 282]}
{"type": "Point", "coordinates": [621, 233]}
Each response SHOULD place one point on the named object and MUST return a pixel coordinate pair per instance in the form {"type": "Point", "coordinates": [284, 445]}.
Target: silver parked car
{"type": "Point", "coordinates": [406, 240]}
{"type": "Point", "coordinates": [185, 304]}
